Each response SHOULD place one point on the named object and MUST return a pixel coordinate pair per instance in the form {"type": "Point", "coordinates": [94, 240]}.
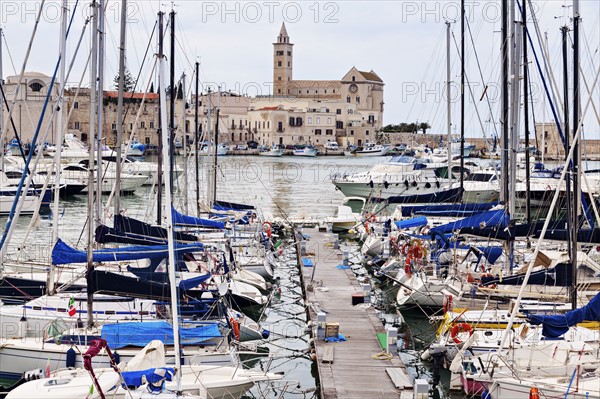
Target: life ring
{"type": "Point", "coordinates": [416, 252]}
{"type": "Point", "coordinates": [408, 267]}
{"type": "Point", "coordinates": [487, 275]}
{"type": "Point", "coordinates": [447, 304]}
{"type": "Point", "coordinates": [405, 248]}
{"type": "Point", "coordinates": [370, 217]}
{"type": "Point", "coordinates": [235, 326]}
{"type": "Point", "coordinates": [458, 329]}
{"type": "Point", "coordinates": [266, 226]}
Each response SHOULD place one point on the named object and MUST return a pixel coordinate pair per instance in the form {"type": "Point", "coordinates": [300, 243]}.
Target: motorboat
{"type": "Point", "coordinates": [135, 148]}
{"type": "Point", "coordinates": [372, 150]}
{"type": "Point", "coordinates": [306, 151]}
{"type": "Point", "coordinates": [274, 151]}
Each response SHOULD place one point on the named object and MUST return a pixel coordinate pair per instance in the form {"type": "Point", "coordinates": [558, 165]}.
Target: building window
{"type": "Point", "coordinates": [367, 133]}
{"type": "Point", "coordinates": [279, 53]}
{"type": "Point", "coordinates": [76, 125]}
{"type": "Point", "coordinates": [357, 99]}
{"type": "Point", "coordinates": [292, 121]}
{"type": "Point", "coordinates": [147, 140]}
{"type": "Point", "coordinates": [131, 126]}
{"type": "Point", "coordinates": [298, 121]}
{"type": "Point", "coordinates": [288, 64]}
{"type": "Point", "coordinates": [76, 105]}
{"type": "Point", "coordinates": [353, 78]}
{"type": "Point", "coordinates": [114, 126]}
{"type": "Point", "coordinates": [268, 124]}
{"type": "Point", "coordinates": [279, 78]}
{"type": "Point", "coordinates": [329, 121]}
{"type": "Point", "coordinates": [351, 132]}
{"type": "Point", "coordinates": [310, 120]}
{"type": "Point", "coordinates": [151, 124]}
{"type": "Point", "coordinates": [37, 87]}
{"type": "Point", "coordinates": [84, 137]}
{"type": "Point", "coordinates": [371, 119]}
{"type": "Point", "coordinates": [318, 120]}
{"type": "Point", "coordinates": [278, 63]}
{"type": "Point", "coordinates": [338, 111]}
{"type": "Point", "coordinates": [307, 91]}
{"type": "Point", "coordinates": [329, 131]}
{"type": "Point", "coordinates": [142, 124]}
{"type": "Point", "coordinates": [289, 53]}
{"type": "Point", "coordinates": [278, 91]}
{"type": "Point", "coordinates": [339, 125]}
{"type": "Point", "coordinates": [318, 131]}
{"type": "Point", "coordinates": [348, 99]}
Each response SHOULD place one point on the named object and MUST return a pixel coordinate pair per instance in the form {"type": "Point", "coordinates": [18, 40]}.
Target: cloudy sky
{"type": "Point", "coordinates": [402, 41]}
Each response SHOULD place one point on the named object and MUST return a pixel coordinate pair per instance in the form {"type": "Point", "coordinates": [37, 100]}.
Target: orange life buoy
{"type": "Point", "coordinates": [416, 252]}
{"type": "Point", "coordinates": [447, 304]}
{"type": "Point", "coordinates": [235, 325]}
{"type": "Point", "coordinates": [405, 249]}
{"type": "Point", "coordinates": [458, 329]}
{"type": "Point", "coordinates": [487, 275]}
{"type": "Point", "coordinates": [267, 228]}
{"type": "Point", "coordinates": [534, 393]}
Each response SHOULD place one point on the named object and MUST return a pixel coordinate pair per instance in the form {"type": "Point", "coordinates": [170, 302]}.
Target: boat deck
{"type": "Point", "coordinates": [346, 369]}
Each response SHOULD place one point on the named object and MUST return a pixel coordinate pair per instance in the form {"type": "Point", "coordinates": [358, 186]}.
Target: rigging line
{"type": "Point", "coordinates": [475, 53]}
{"type": "Point", "coordinates": [470, 89]}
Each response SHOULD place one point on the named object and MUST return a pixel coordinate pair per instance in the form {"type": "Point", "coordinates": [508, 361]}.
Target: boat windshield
{"type": "Point", "coordinates": [405, 159]}
{"type": "Point", "coordinates": [483, 177]}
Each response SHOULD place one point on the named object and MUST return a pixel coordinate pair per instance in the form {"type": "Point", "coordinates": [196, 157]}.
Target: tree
{"type": "Point", "coordinates": [128, 81]}
{"type": "Point", "coordinates": [424, 126]}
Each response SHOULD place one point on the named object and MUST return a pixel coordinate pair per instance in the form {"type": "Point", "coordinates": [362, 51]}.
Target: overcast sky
{"type": "Point", "coordinates": [402, 41]}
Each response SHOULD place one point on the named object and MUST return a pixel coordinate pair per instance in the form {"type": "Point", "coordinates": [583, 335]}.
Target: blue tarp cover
{"type": "Point", "coordinates": [193, 282]}
{"type": "Point", "coordinates": [459, 210]}
{"type": "Point", "coordinates": [306, 262]}
{"type": "Point", "coordinates": [134, 378]}
{"type": "Point", "coordinates": [63, 254]}
{"type": "Point", "coordinates": [490, 218]}
{"type": "Point", "coordinates": [557, 325]}
{"type": "Point", "coordinates": [185, 220]}
{"type": "Point", "coordinates": [140, 334]}
{"type": "Point", "coordinates": [414, 222]}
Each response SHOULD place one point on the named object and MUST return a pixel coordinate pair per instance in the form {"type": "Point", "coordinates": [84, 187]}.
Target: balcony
{"type": "Point", "coordinates": [281, 130]}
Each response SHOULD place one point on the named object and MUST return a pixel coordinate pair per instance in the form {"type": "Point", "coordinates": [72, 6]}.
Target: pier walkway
{"type": "Point", "coordinates": [347, 369]}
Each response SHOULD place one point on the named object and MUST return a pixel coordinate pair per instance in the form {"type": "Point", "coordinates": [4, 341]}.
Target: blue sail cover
{"type": "Point", "coordinates": [454, 210]}
{"type": "Point", "coordinates": [63, 254]}
{"type": "Point", "coordinates": [414, 222]}
{"type": "Point", "coordinates": [185, 220]}
{"type": "Point", "coordinates": [557, 325]}
{"type": "Point", "coordinates": [140, 377]}
{"type": "Point", "coordinates": [490, 218]}
{"type": "Point", "coordinates": [119, 335]}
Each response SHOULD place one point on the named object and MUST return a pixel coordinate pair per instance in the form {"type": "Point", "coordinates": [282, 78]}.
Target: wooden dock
{"type": "Point", "coordinates": [346, 369]}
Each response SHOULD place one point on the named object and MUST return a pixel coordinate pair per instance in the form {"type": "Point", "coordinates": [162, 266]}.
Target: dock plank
{"type": "Point", "coordinates": [354, 373]}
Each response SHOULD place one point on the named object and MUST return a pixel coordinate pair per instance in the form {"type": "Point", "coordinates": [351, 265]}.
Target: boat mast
{"type": "Point", "coordinates": [120, 122]}
{"type": "Point", "coordinates": [100, 105]}
{"type": "Point", "coordinates": [172, 103]}
{"type": "Point", "coordinates": [449, 105]}
{"type": "Point", "coordinates": [184, 144]}
{"type": "Point", "coordinates": [214, 182]}
{"type": "Point", "coordinates": [577, 155]}
{"type": "Point", "coordinates": [208, 135]}
{"type": "Point", "coordinates": [161, 92]}
{"type": "Point", "coordinates": [567, 133]}
{"type": "Point", "coordinates": [59, 135]}
{"type": "Point", "coordinates": [168, 198]}
{"type": "Point", "coordinates": [197, 138]}
{"type": "Point", "coordinates": [1, 100]}
{"type": "Point", "coordinates": [526, 116]}
{"type": "Point", "coordinates": [90, 204]}
{"type": "Point", "coordinates": [462, 97]}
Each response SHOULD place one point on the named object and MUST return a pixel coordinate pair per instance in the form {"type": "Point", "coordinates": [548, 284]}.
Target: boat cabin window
{"type": "Point", "coordinates": [482, 177]}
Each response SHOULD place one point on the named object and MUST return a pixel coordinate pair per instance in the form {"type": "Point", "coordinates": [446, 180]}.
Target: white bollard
{"type": "Point", "coordinates": [392, 340]}
{"type": "Point", "coordinates": [421, 390]}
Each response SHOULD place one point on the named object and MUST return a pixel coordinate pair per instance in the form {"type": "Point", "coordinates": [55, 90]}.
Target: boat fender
{"type": "Point", "coordinates": [265, 333]}
{"type": "Point", "coordinates": [414, 183]}
{"type": "Point", "coordinates": [371, 183]}
{"type": "Point", "coordinates": [447, 304]}
{"type": "Point", "coordinates": [23, 326]}
{"type": "Point", "coordinates": [117, 357]}
{"type": "Point", "coordinates": [534, 393]}
{"type": "Point", "coordinates": [406, 183]}
{"type": "Point", "coordinates": [460, 328]}
{"type": "Point", "coordinates": [426, 355]}
{"type": "Point", "coordinates": [427, 185]}
{"type": "Point", "coordinates": [386, 184]}
{"type": "Point", "coordinates": [437, 184]}
{"type": "Point", "coordinates": [485, 394]}
{"type": "Point", "coordinates": [487, 275]}
{"type": "Point", "coordinates": [71, 357]}
{"type": "Point", "coordinates": [235, 326]}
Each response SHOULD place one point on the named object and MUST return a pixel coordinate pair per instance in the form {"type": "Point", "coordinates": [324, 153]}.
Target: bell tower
{"type": "Point", "coordinates": [282, 63]}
